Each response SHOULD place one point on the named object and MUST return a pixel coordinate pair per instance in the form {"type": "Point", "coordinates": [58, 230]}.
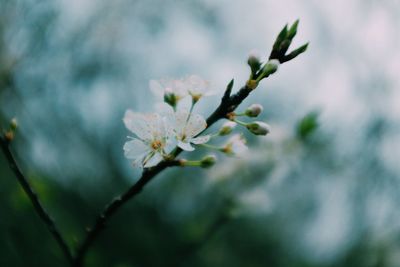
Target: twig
{"type": "Point", "coordinates": [191, 249]}
{"type": "Point", "coordinates": [228, 104]}
{"type": "Point", "coordinates": [117, 203]}
{"type": "Point", "coordinates": [40, 210]}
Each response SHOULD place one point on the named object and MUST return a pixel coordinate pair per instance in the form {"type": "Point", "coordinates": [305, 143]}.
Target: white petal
{"type": "Point", "coordinates": [170, 145]}
{"type": "Point", "coordinates": [137, 124]}
{"type": "Point", "coordinates": [153, 161]}
{"type": "Point", "coordinates": [195, 125]}
{"type": "Point", "coordinates": [200, 140]}
{"type": "Point", "coordinates": [135, 149]}
{"type": "Point", "coordinates": [185, 146]}
{"type": "Point", "coordinates": [156, 124]}
{"type": "Point", "coordinates": [195, 79]}
{"type": "Point", "coordinates": [180, 121]}
{"type": "Point", "coordinates": [179, 88]}
{"type": "Point", "coordinates": [238, 144]}
{"type": "Point", "coordinates": [164, 109]}
{"type": "Point", "coordinates": [184, 104]}
{"type": "Point", "coordinates": [199, 86]}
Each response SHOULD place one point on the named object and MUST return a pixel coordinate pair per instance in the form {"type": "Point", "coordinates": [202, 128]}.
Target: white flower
{"type": "Point", "coordinates": [236, 145]}
{"type": "Point", "coordinates": [154, 138]}
{"type": "Point", "coordinates": [187, 127]}
{"type": "Point", "coordinates": [169, 88]}
{"type": "Point", "coordinates": [197, 87]}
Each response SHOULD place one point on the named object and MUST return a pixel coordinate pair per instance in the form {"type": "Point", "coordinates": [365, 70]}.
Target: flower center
{"type": "Point", "coordinates": [156, 145]}
{"type": "Point", "coordinates": [183, 137]}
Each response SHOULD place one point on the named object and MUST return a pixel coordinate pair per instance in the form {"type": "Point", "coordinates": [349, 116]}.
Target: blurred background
{"type": "Point", "coordinates": [323, 189]}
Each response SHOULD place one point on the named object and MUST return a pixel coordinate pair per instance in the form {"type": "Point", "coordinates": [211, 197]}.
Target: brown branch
{"type": "Point", "coordinates": [33, 197]}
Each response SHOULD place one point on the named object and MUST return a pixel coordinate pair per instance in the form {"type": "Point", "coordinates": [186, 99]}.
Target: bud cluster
{"type": "Point", "coordinates": [10, 132]}
{"type": "Point", "coordinates": [278, 56]}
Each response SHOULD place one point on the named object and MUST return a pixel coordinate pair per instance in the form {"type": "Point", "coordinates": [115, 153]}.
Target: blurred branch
{"type": "Point", "coordinates": [33, 197]}
{"type": "Point", "coordinates": [115, 205]}
{"type": "Point", "coordinates": [228, 104]}
{"type": "Point", "coordinates": [223, 217]}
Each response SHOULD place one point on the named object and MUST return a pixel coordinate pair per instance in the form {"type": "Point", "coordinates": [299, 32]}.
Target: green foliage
{"type": "Point", "coordinates": [283, 42]}
{"type": "Point", "coordinates": [307, 125]}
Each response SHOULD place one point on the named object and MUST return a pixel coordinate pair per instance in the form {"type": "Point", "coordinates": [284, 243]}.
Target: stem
{"type": "Point", "coordinates": [33, 197]}
{"type": "Point", "coordinates": [240, 122]}
{"type": "Point", "coordinates": [192, 163]}
{"type": "Point", "coordinates": [211, 147]}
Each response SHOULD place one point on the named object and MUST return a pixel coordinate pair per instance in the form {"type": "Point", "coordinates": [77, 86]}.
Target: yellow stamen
{"type": "Point", "coordinates": [156, 145]}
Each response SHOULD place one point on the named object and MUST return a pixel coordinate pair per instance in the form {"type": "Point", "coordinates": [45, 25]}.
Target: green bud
{"type": "Point", "coordinates": [296, 52]}
{"type": "Point", "coordinates": [227, 128]}
{"type": "Point", "coordinates": [208, 161]}
{"type": "Point", "coordinates": [13, 124]}
{"type": "Point", "coordinates": [254, 110]}
{"type": "Point", "coordinates": [293, 30]}
{"type": "Point", "coordinates": [284, 47]}
{"type": "Point", "coordinates": [281, 36]}
{"type": "Point", "coordinates": [258, 128]}
{"type": "Point", "coordinates": [254, 63]}
{"type": "Point", "coordinates": [170, 98]}
{"type": "Point", "coordinates": [270, 67]}
{"type": "Point", "coordinates": [307, 125]}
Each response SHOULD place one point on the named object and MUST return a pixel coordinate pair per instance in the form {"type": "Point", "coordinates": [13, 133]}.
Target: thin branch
{"type": "Point", "coordinates": [33, 197]}
{"type": "Point", "coordinates": [115, 205]}
{"type": "Point", "coordinates": [226, 106]}
{"type": "Point", "coordinates": [193, 248]}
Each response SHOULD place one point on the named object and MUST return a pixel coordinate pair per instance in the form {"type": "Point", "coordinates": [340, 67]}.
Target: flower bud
{"type": "Point", "coordinates": [9, 136]}
{"type": "Point", "coordinates": [258, 128]}
{"type": "Point", "coordinates": [270, 67]}
{"type": "Point", "coordinates": [196, 98]}
{"type": "Point", "coordinates": [252, 84]}
{"type": "Point", "coordinates": [254, 110]}
{"type": "Point", "coordinates": [227, 128]}
{"type": "Point", "coordinates": [170, 98]}
{"type": "Point", "coordinates": [208, 161]}
{"type": "Point", "coordinates": [254, 62]}
{"type": "Point", "coordinates": [13, 124]}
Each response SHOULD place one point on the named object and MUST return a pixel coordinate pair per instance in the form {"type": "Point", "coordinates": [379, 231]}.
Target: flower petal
{"type": "Point", "coordinates": [180, 122]}
{"type": "Point", "coordinates": [238, 144]}
{"type": "Point", "coordinates": [195, 125]}
{"type": "Point", "coordinates": [137, 124]}
{"type": "Point", "coordinates": [135, 149]}
{"type": "Point", "coordinates": [153, 161]}
{"type": "Point", "coordinates": [185, 146]}
{"type": "Point", "coordinates": [200, 140]}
